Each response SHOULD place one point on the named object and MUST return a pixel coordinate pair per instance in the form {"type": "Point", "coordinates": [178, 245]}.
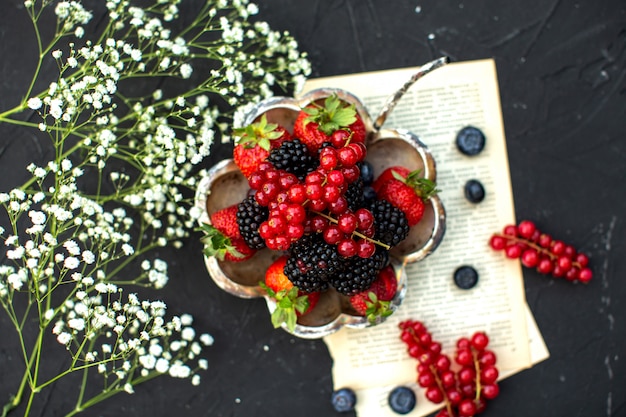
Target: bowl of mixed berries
{"type": "Point", "coordinates": [319, 212]}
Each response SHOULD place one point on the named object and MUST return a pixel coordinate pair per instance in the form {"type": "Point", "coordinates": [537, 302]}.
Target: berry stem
{"type": "Point", "coordinates": [477, 369]}
{"type": "Point", "coordinates": [361, 235]}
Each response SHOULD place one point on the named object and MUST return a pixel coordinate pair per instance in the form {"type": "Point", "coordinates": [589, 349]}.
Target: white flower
{"type": "Point", "coordinates": [34, 103]}
{"type": "Point", "coordinates": [186, 70]}
{"type": "Point", "coordinates": [127, 249]}
{"type": "Point", "coordinates": [88, 257]}
{"type": "Point", "coordinates": [147, 361]}
{"type": "Point", "coordinates": [162, 365]}
{"type": "Point", "coordinates": [16, 281]}
{"type": "Point", "coordinates": [64, 338]}
{"type": "Point", "coordinates": [178, 370]}
{"type": "Point", "coordinates": [76, 324]}
{"type": "Point", "coordinates": [129, 388]}
{"type": "Point", "coordinates": [203, 364]}
{"type": "Point", "coordinates": [206, 339]}
{"type": "Point", "coordinates": [155, 349]}
{"type": "Point", "coordinates": [188, 333]}
{"type": "Point", "coordinates": [71, 262]}
{"type": "Point", "coordinates": [195, 380]}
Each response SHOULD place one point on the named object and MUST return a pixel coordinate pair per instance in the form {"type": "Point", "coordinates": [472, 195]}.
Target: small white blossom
{"type": "Point", "coordinates": [206, 339]}
{"type": "Point", "coordinates": [34, 103]}
{"type": "Point", "coordinates": [64, 338]}
{"type": "Point", "coordinates": [162, 365]}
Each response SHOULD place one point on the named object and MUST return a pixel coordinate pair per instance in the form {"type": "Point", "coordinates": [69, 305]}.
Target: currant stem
{"type": "Point", "coordinates": [477, 369]}
{"type": "Point", "coordinates": [361, 235]}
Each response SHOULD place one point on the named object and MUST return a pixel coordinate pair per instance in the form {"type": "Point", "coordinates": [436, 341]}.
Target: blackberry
{"type": "Point", "coordinates": [250, 215]}
{"type": "Point", "coordinates": [312, 262]}
{"type": "Point", "coordinates": [359, 273]}
{"type": "Point", "coordinates": [390, 223]}
{"type": "Point", "coordinates": [293, 156]}
{"type": "Point", "coordinates": [354, 195]}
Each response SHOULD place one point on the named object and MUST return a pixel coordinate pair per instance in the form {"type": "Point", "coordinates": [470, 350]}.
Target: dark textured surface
{"type": "Point", "coordinates": [561, 68]}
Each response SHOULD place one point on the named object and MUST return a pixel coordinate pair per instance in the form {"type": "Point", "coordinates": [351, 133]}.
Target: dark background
{"type": "Point", "coordinates": [561, 69]}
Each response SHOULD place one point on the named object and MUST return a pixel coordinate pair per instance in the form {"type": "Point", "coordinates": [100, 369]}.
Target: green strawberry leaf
{"type": "Point", "coordinates": [288, 302]}
{"type": "Point", "coordinates": [334, 115]}
{"type": "Point", "coordinates": [216, 243]}
{"type": "Point", "coordinates": [423, 187]}
{"type": "Point", "coordinates": [376, 308]}
{"type": "Point", "coordinates": [260, 133]}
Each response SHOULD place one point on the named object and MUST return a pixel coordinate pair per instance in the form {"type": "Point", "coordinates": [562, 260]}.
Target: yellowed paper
{"type": "Point", "coordinates": [436, 108]}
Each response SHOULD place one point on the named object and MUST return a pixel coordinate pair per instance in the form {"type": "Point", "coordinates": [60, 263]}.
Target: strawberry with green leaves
{"type": "Point", "coordinates": [316, 123]}
{"type": "Point", "coordinates": [290, 302]}
{"type": "Point", "coordinates": [375, 301]}
{"type": "Point", "coordinates": [255, 142]}
{"type": "Point", "coordinates": [408, 193]}
{"type": "Point", "coordinates": [222, 238]}
{"type": "Point", "coordinates": [387, 175]}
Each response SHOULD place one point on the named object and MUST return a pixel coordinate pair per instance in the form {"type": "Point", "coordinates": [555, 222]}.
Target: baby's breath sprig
{"type": "Point", "coordinates": [136, 106]}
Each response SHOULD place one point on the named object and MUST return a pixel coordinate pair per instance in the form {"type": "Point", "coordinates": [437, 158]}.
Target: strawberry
{"type": "Point", "coordinates": [315, 124]}
{"type": "Point", "coordinates": [374, 302]}
{"type": "Point", "coordinates": [290, 301]}
{"type": "Point", "coordinates": [408, 194]}
{"type": "Point", "coordinates": [255, 142]}
{"type": "Point", "coordinates": [387, 175]}
{"type": "Point", "coordinates": [225, 220]}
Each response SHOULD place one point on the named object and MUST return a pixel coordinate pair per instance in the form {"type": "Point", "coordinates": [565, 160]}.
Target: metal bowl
{"type": "Point", "coordinates": [225, 185]}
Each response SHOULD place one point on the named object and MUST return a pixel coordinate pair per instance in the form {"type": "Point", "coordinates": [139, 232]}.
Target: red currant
{"type": "Point", "coordinates": [365, 248]}
{"type": "Point", "coordinates": [314, 191]}
{"type": "Point", "coordinates": [488, 374]}
{"type": "Point", "coordinates": [497, 242]}
{"type": "Point", "coordinates": [513, 251]}
{"type": "Point", "coordinates": [480, 341]}
{"type": "Point", "coordinates": [347, 222]}
{"type": "Point", "coordinates": [347, 156]}
{"type": "Point", "coordinates": [331, 193]}
{"type": "Point", "coordinates": [332, 235]}
{"type": "Point", "coordinates": [339, 138]}
{"type": "Point", "coordinates": [434, 394]}
{"type": "Point", "coordinates": [347, 248]}
{"type": "Point", "coordinates": [467, 408]}
{"type": "Point", "coordinates": [335, 177]}
{"type": "Point", "coordinates": [490, 391]}
{"type": "Point", "coordinates": [585, 275]}
{"type": "Point", "coordinates": [530, 258]}
{"type": "Point", "coordinates": [297, 193]}
{"type": "Point", "coordinates": [526, 229]}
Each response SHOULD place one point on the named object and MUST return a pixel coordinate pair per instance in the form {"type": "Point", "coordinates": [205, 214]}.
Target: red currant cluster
{"type": "Point", "coordinates": [317, 204]}
{"type": "Point", "coordinates": [540, 251]}
{"type": "Point", "coordinates": [464, 392]}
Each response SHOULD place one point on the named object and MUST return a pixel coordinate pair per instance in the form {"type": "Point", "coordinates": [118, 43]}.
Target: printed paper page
{"type": "Point", "coordinates": [435, 109]}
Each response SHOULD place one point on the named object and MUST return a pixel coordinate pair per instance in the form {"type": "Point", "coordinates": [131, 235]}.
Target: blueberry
{"type": "Point", "coordinates": [344, 400]}
{"type": "Point", "coordinates": [465, 277]}
{"type": "Point", "coordinates": [470, 140]}
{"type": "Point", "coordinates": [367, 173]}
{"type": "Point", "coordinates": [369, 195]}
{"type": "Point", "coordinates": [474, 191]}
{"type": "Point", "coordinates": [402, 400]}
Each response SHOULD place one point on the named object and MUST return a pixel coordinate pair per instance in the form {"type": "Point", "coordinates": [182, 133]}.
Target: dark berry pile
{"type": "Point", "coordinates": [540, 251]}
{"type": "Point", "coordinates": [319, 208]}
{"type": "Point", "coordinates": [464, 387]}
